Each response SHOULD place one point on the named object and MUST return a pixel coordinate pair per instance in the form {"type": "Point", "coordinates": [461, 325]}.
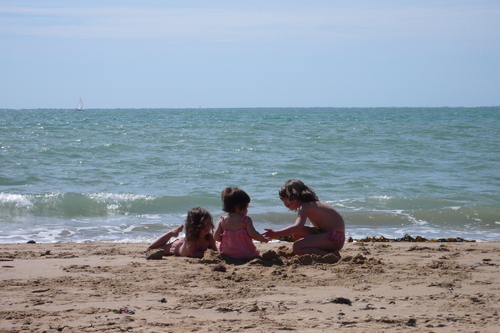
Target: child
{"type": "Point", "coordinates": [235, 231]}
{"type": "Point", "coordinates": [199, 224]}
{"type": "Point", "coordinates": [328, 234]}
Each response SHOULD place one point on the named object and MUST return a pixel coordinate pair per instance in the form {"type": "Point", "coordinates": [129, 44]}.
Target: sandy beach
{"type": "Point", "coordinates": [375, 287]}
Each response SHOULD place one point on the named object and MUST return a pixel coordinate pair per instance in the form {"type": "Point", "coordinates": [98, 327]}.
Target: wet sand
{"type": "Point", "coordinates": [375, 287]}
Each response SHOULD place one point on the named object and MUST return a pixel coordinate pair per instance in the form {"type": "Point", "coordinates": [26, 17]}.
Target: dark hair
{"type": "Point", "coordinates": [194, 223]}
{"type": "Point", "coordinates": [295, 189]}
{"type": "Point", "coordinates": [234, 197]}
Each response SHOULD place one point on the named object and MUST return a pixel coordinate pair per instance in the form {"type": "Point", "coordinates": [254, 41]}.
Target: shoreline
{"type": "Point", "coordinates": [407, 238]}
{"type": "Point", "coordinates": [391, 287]}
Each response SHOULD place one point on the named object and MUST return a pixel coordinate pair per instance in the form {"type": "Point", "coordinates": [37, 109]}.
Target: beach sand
{"type": "Point", "coordinates": [375, 287]}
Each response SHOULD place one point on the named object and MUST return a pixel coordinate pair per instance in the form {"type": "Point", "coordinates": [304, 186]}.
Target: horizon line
{"type": "Point", "coordinates": [260, 107]}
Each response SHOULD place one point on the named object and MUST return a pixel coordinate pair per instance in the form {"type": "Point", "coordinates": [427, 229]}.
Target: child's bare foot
{"type": "Point", "coordinates": [176, 231]}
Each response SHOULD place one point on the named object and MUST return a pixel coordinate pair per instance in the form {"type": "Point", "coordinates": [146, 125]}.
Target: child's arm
{"type": "Point", "coordinates": [212, 244]}
{"type": "Point", "coordinates": [253, 233]}
{"type": "Point", "coordinates": [295, 228]}
{"type": "Point", "coordinates": [218, 231]}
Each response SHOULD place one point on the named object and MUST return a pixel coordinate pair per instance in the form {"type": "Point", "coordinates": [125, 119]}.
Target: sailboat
{"type": "Point", "coordinates": [80, 106]}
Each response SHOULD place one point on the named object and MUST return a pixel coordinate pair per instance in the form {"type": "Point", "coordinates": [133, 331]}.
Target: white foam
{"type": "Point", "coordinates": [129, 228]}
{"type": "Point", "coordinates": [118, 196]}
{"type": "Point", "coordinates": [21, 201]}
{"type": "Point", "coordinates": [380, 197]}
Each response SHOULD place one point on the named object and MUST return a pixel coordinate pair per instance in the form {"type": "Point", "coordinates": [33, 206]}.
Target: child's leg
{"type": "Point", "coordinates": [320, 244]}
{"type": "Point", "coordinates": [304, 232]}
{"type": "Point", "coordinates": [163, 240]}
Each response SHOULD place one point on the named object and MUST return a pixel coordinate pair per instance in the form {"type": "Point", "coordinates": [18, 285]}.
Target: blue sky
{"type": "Point", "coordinates": [175, 54]}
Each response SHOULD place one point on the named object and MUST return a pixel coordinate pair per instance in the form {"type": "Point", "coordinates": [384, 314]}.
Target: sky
{"type": "Point", "coordinates": [225, 54]}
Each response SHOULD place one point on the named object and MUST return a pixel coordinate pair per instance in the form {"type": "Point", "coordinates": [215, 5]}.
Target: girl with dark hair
{"type": "Point", "coordinates": [199, 226]}
{"type": "Point", "coordinates": [327, 235]}
{"type": "Point", "coordinates": [235, 231]}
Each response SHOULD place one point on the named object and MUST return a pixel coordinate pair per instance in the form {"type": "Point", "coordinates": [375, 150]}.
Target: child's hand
{"type": "Point", "coordinates": [269, 234]}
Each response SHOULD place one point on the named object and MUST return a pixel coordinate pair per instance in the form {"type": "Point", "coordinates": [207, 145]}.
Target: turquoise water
{"type": "Point", "coordinates": [129, 175]}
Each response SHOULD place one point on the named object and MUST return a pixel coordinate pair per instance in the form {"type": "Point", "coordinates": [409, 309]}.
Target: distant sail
{"type": "Point", "coordinates": [80, 106]}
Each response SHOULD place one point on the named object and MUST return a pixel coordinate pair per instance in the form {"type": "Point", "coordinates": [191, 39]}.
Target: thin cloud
{"type": "Point", "coordinates": [255, 24]}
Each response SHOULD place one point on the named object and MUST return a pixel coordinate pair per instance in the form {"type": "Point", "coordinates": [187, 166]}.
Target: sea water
{"type": "Point", "coordinates": [119, 175]}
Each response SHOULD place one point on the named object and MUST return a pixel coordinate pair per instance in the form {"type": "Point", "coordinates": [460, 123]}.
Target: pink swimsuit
{"type": "Point", "coordinates": [176, 246]}
{"type": "Point", "coordinates": [337, 237]}
{"type": "Point", "coordinates": [237, 244]}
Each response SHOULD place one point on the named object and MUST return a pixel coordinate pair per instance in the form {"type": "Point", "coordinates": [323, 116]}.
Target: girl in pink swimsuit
{"type": "Point", "coordinates": [235, 231]}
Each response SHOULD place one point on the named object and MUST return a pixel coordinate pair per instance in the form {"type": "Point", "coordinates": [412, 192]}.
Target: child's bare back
{"type": "Point", "coordinates": [323, 216]}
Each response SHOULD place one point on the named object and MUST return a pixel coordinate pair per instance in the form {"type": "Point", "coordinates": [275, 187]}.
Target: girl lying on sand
{"type": "Point", "coordinates": [199, 226]}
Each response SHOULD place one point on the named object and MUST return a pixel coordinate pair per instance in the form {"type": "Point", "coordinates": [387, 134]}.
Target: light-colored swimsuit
{"type": "Point", "coordinates": [237, 244]}
{"type": "Point", "coordinates": [176, 246]}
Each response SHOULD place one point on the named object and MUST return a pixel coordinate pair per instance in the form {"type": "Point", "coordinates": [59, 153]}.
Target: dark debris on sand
{"type": "Point", "coordinates": [407, 238]}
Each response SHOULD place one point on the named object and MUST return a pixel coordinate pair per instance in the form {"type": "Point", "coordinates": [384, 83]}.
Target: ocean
{"type": "Point", "coordinates": [129, 175]}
